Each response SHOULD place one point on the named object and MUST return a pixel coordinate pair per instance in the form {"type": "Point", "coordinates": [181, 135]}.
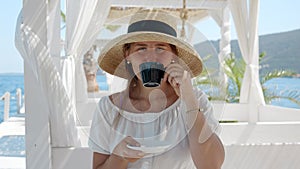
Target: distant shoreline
{"type": "Point", "coordinates": [297, 76]}
{"type": "Point", "coordinates": [11, 74]}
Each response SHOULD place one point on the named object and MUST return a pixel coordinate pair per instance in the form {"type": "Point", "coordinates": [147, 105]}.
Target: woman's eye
{"type": "Point", "coordinates": [142, 49]}
{"type": "Point", "coordinates": [159, 50]}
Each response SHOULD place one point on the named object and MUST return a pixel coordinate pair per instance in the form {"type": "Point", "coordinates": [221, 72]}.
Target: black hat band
{"type": "Point", "coordinates": [152, 26]}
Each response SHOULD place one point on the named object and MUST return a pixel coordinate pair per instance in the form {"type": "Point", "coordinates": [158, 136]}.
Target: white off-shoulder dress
{"type": "Point", "coordinates": [111, 124]}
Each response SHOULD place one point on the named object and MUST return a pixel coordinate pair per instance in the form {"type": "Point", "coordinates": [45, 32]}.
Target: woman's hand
{"type": "Point", "coordinates": [180, 80]}
{"type": "Point", "coordinates": [122, 151]}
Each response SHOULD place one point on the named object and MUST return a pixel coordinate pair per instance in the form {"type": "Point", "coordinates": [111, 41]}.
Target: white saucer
{"type": "Point", "coordinates": [153, 149]}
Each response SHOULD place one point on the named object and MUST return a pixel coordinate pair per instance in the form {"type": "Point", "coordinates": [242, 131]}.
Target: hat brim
{"type": "Point", "coordinates": [111, 59]}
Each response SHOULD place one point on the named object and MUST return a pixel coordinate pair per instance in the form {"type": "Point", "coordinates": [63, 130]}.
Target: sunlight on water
{"type": "Point", "coordinates": [10, 83]}
{"type": "Point", "coordinates": [285, 87]}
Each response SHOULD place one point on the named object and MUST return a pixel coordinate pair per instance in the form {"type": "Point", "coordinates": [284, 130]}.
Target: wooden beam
{"type": "Point", "coordinates": [191, 4]}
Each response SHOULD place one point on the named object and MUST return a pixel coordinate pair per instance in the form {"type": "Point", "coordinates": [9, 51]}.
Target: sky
{"type": "Point", "coordinates": [274, 16]}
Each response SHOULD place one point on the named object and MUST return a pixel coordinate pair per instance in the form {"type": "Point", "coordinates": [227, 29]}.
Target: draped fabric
{"type": "Point", "coordinates": [246, 23]}
{"type": "Point", "coordinates": [54, 42]}
{"type": "Point", "coordinates": [38, 41]}
{"type": "Point", "coordinates": [32, 41]}
{"type": "Point", "coordinates": [222, 18]}
{"type": "Point", "coordinates": [84, 20]}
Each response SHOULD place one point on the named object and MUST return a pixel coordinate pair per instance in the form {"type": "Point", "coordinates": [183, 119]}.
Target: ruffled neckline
{"type": "Point", "coordinates": [170, 108]}
{"type": "Point", "coordinates": [143, 117]}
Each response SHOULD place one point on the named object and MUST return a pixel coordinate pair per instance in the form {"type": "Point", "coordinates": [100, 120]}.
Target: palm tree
{"type": "Point", "coordinates": [208, 82]}
{"type": "Point", "coordinates": [270, 95]}
{"type": "Point", "coordinates": [234, 68]}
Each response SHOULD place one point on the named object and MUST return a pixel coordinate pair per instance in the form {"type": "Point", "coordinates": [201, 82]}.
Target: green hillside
{"type": "Point", "coordinates": [282, 50]}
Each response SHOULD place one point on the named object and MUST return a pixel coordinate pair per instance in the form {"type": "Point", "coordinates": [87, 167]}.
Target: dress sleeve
{"type": "Point", "coordinates": [100, 130]}
{"type": "Point", "coordinates": [207, 109]}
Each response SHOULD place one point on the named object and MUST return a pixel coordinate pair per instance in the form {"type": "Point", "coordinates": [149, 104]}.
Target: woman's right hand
{"type": "Point", "coordinates": [122, 151]}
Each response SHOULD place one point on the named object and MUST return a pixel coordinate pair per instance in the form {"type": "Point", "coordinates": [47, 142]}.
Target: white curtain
{"type": "Point", "coordinates": [33, 43]}
{"type": "Point", "coordinates": [84, 20]}
{"type": "Point", "coordinates": [38, 41]}
{"type": "Point", "coordinates": [246, 23]}
{"type": "Point", "coordinates": [222, 18]}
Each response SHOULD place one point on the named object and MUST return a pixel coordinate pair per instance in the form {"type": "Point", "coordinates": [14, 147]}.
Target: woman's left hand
{"type": "Point", "coordinates": [179, 79]}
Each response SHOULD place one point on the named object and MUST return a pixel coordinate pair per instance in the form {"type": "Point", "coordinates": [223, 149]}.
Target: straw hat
{"type": "Point", "coordinates": [148, 25]}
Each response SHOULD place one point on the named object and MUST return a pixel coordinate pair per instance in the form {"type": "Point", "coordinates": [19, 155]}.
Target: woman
{"type": "Point", "coordinates": [173, 119]}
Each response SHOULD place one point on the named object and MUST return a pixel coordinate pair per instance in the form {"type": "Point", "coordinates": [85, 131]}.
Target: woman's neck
{"type": "Point", "coordinates": [151, 99]}
{"type": "Point", "coordinates": [140, 92]}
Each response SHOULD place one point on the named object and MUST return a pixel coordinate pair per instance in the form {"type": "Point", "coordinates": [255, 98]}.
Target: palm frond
{"type": "Point", "coordinates": [235, 68]}
{"type": "Point", "coordinates": [112, 28]}
{"type": "Point", "coordinates": [296, 101]}
{"type": "Point", "coordinates": [207, 81]}
{"type": "Point", "coordinates": [277, 74]}
{"type": "Point", "coordinates": [262, 55]}
{"type": "Point", "coordinates": [206, 58]}
{"type": "Point", "coordinates": [291, 95]}
{"type": "Point", "coordinates": [63, 16]}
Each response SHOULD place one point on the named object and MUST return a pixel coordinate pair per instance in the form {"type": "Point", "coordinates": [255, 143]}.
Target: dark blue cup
{"type": "Point", "coordinates": [152, 73]}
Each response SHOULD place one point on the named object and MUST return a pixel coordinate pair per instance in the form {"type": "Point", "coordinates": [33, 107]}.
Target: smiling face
{"type": "Point", "coordinates": [141, 52]}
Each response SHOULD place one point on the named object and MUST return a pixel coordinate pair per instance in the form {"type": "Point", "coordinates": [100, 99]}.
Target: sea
{"type": "Point", "coordinates": [11, 82]}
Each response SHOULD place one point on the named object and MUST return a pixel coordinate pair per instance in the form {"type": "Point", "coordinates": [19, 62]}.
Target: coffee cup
{"type": "Point", "coordinates": [152, 73]}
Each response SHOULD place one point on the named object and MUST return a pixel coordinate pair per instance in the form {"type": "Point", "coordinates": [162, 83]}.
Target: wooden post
{"type": "Point", "coordinates": [6, 98]}
{"type": "Point", "coordinates": [19, 99]}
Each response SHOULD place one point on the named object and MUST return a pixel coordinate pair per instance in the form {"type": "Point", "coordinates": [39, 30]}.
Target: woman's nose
{"type": "Point", "coordinates": [151, 56]}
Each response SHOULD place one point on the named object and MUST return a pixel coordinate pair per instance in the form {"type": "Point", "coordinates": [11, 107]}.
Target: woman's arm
{"type": "Point", "coordinates": [103, 161]}
{"type": "Point", "coordinates": [205, 146]}
{"type": "Point", "coordinates": [121, 156]}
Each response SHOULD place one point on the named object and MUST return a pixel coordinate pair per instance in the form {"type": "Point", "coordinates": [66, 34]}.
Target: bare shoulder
{"type": "Point", "coordinates": [116, 98]}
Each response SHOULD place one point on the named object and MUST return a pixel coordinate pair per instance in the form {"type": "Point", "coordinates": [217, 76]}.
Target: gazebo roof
{"type": "Point", "coordinates": [192, 14]}
{"type": "Point", "coordinates": [196, 4]}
